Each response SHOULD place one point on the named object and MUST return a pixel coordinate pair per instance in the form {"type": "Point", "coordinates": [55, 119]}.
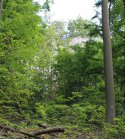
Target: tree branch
{"type": "Point", "coordinates": [18, 131]}
{"type": "Point", "coordinates": [49, 130]}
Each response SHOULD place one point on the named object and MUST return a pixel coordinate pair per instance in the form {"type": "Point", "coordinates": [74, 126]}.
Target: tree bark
{"type": "Point", "coordinates": [42, 125]}
{"type": "Point", "coordinates": [49, 130]}
{"type": "Point", "coordinates": [124, 3]}
{"type": "Point", "coordinates": [108, 65]}
{"type": "Point", "coordinates": [21, 132]}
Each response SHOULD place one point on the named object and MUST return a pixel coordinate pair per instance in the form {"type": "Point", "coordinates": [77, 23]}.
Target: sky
{"type": "Point", "coordinates": [66, 10]}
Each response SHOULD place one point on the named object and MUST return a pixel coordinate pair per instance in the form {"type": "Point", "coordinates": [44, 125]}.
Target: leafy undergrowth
{"type": "Point", "coordinates": [69, 134]}
{"type": "Point", "coordinates": [80, 121]}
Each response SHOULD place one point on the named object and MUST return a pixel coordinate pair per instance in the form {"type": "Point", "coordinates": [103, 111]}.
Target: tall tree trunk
{"type": "Point", "coordinates": [109, 83]}
{"type": "Point", "coordinates": [1, 6]}
{"type": "Point", "coordinates": [123, 3]}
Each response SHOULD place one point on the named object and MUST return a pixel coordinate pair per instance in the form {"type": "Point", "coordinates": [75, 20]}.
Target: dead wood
{"type": "Point", "coordinates": [42, 125]}
{"type": "Point", "coordinates": [46, 127]}
{"type": "Point", "coordinates": [18, 131]}
{"type": "Point", "coordinates": [46, 130]}
{"type": "Point", "coordinates": [49, 130]}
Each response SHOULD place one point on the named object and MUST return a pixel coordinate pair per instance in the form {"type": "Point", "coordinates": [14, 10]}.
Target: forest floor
{"type": "Point", "coordinates": [68, 134]}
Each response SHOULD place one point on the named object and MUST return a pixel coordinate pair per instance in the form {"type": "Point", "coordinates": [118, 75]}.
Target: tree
{"type": "Point", "coordinates": [108, 65]}
{"type": "Point", "coordinates": [20, 35]}
{"type": "Point", "coordinates": [81, 64]}
{"type": "Point", "coordinates": [124, 3]}
{"type": "Point", "coordinates": [1, 6]}
{"type": "Point", "coordinates": [118, 41]}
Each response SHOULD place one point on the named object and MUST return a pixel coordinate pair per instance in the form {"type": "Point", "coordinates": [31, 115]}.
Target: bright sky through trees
{"type": "Point", "coordinates": [71, 9]}
{"type": "Point", "coordinates": [61, 72]}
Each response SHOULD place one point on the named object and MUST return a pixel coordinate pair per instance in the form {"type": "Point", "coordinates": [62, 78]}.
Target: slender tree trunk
{"type": "Point", "coordinates": [1, 6]}
{"type": "Point", "coordinates": [124, 3]}
{"type": "Point", "coordinates": [109, 83]}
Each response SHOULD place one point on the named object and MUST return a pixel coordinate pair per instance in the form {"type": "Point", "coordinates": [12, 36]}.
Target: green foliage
{"type": "Point", "coordinates": [117, 130]}
{"type": "Point", "coordinates": [46, 78]}
{"type": "Point", "coordinates": [19, 37]}
{"type": "Point", "coordinates": [85, 116]}
{"type": "Point", "coordinates": [41, 111]}
{"type": "Point", "coordinates": [73, 69]}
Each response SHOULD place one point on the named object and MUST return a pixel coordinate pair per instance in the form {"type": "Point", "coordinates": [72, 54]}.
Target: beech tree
{"type": "Point", "coordinates": [108, 65]}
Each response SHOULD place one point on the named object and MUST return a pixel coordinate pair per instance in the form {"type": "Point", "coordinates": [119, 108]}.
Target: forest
{"type": "Point", "coordinates": [62, 80]}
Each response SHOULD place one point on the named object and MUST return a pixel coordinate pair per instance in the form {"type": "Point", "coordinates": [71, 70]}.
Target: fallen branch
{"type": "Point", "coordinates": [49, 130]}
{"type": "Point", "coordinates": [42, 125]}
{"type": "Point", "coordinates": [46, 127]}
{"type": "Point", "coordinates": [18, 131]}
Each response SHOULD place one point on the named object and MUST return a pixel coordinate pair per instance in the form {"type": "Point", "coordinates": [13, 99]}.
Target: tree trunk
{"type": "Point", "coordinates": [109, 83]}
{"type": "Point", "coordinates": [124, 3]}
{"type": "Point", "coordinates": [1, 6]}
